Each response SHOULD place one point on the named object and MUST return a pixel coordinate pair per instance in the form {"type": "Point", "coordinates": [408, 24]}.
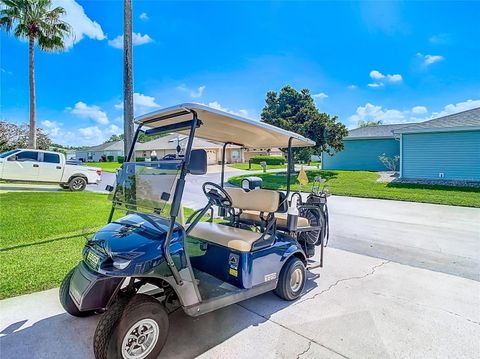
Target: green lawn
{"type": "Point", "coordinates": [105, 166]}
{"type": "Point", "coordinates": [364, 184]}
{"type": "Point", "coordinates": [41, 236]}
{"type": "Point", "coordinates": [255, 167]}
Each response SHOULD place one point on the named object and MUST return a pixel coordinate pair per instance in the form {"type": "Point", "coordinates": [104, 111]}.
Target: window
{"type": "Point", "coordinates": [51, 158]}
{"type": "Point", "coordinates": [27, 156]}
{"type": "Point", "coordinates": [8, 153]}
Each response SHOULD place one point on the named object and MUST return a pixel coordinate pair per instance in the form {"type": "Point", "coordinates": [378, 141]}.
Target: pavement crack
{"type": "Point", "coordinates": [372, 272]}
{"type": "Point", "coordinates": [293, 331]}
{"type": "Point", "coordinates": [306, 350]}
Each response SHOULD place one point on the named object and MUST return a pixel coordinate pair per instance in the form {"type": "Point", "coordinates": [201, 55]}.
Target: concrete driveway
{"type": "Point", "coordinates": [359, 307]}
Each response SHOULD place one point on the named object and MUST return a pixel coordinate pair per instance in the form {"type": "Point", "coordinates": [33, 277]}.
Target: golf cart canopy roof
{"type": "Point", "coordinates": [223, 127]}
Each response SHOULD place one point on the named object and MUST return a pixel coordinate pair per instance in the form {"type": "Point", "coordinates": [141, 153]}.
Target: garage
{"type": "Point", "coordinates": [445, 148]}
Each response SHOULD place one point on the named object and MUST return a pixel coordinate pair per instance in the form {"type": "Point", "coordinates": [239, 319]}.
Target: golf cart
{"type": "Point", "coordinates": [142, 266]}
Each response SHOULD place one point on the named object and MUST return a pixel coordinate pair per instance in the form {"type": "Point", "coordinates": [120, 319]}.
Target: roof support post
{"type": "Point", "coordinates": [289, 164]}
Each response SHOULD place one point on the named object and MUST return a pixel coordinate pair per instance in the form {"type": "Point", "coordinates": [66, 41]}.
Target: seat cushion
{"type": "Point", "coordinates": [234, 238]}
{"type": "Point", "coordinates": [254, 216]}
{"type": "Point", "coordinates": [256, 200]}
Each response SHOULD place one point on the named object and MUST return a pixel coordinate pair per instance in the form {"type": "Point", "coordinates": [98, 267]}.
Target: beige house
{"type": "Point", "coordinates": [163, 146]}
{"type": "Point", "coordinates": [252, 152]}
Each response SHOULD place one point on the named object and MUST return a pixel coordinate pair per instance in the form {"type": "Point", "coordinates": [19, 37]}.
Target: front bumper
{"type": "Point", "coordinates": [90, 290]}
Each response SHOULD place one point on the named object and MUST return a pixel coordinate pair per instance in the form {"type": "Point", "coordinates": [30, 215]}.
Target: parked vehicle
{"type": "Point", "coordinates": [262, 244]}
{"type": "Point", "coordinates": [28, 165]}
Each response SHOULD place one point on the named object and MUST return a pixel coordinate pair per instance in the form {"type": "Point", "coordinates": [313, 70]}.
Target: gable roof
{"type": "Point", "coordinates": [379, 131]}
{"type": "Point", "coordinates": [464, 120]}
{"type": "Point", "coordinates": [109, 146]}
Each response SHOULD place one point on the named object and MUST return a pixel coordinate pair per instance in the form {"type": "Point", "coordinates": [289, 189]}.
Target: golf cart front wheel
{"type": "Point", "coordinates": [67, 301]}
{"type": "Point", "coordinates": [134, 327]}
{"type": "Point", "coordinates": [291, 280]}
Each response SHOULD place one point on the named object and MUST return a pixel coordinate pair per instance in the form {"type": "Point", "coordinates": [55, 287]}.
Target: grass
{"type": "Point", "coordinates": [364, 184]}
{"type": "Point", "coordinates": [105, 166]}
{"type": "Point", "coordinates": [41, 236]}
{"type": "Point", "coordinates": [255, 167]}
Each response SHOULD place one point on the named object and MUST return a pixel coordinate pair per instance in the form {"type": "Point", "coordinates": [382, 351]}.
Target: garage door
{"type": "Point", "coordinates": [211, 157]}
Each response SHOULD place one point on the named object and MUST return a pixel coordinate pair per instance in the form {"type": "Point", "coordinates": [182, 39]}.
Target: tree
{"type": "Point", "coordinates": [17, 136]}
{"type": "Point", "coordinates": [367, 123]}
{"type": "Point", "coordinates": [36, 21]}
{"type": "Point", "coordinates": [296, 111]}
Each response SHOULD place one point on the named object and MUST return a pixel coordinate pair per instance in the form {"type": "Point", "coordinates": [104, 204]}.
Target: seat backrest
{"type": "Point", "coordinates": [261, 200]}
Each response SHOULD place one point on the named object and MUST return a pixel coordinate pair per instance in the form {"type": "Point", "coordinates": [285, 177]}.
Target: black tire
{"type": "Point", "coordinates": [116, 323]}
{"type": "Point", "coordinates": [285, 288]}
{"type": "Point", "coordinates": [77, 184]}
{"type": "Point", "coordinates": [67, 301]}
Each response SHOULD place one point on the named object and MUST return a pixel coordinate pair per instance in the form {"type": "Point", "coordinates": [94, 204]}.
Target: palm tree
{"type": "Point", "coordinates": [34, 20]}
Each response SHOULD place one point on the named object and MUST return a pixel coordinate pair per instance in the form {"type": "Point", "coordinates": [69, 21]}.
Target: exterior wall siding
{"type": "Point", "coordinates": [456, 155]}
{"type": "Point", "coordinates": [362, 155]}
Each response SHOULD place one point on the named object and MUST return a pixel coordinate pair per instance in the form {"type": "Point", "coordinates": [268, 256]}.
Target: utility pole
{"type": "Point", "coordinates": [127, 76]}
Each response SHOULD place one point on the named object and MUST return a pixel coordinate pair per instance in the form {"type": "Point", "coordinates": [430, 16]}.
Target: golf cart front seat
{"type": "Point", "coordinates": [262, 201]}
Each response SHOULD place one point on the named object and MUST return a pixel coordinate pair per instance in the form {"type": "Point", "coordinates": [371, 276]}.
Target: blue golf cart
{"type": "Point", "coordinates": [149, 260]}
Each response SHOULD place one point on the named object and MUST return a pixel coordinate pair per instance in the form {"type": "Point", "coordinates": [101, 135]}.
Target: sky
{"type": "Point", "coordinates": [391, 61]}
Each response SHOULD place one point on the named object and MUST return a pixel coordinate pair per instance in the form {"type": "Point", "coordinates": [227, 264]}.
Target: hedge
{"type": "Point", "coordinates": [110, 158]}
{"type": "Point", "coordinates": [121, 159]}
{"type": "Point", "coordinates": [139, 159]}
{"type": "Point", "coordinates": [270, 160]}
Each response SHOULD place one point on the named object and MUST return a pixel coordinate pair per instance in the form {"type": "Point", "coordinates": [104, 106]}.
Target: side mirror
{"type": "Point", "coordinates": [198, 162]}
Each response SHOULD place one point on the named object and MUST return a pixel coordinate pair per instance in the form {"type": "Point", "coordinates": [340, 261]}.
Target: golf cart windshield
{"type": "Point", "coordinates": [146, 186]}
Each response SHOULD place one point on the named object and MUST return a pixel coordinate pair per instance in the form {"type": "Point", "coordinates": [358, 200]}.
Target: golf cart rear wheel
{"type": "Point", "coordinates": [135, 327]}
{"type": "Point", "coordinates": [66, 300]}
{"type": "Point", "coordinates": [291, 280]}
{"type": "Point", "coordinates": [77, 184]}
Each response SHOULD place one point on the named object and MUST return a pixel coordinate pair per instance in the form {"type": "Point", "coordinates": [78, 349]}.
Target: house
{"type": "Point", "coordinates": [443, 148]}
{"type": "Point", "coordinates": [252, 152]}
{"type": "Point", "coordinates": [98, 153]}
{"type": "Point", "coordinates": [167, 145]}
{"type": "Point", "coordinates": [362, 147]}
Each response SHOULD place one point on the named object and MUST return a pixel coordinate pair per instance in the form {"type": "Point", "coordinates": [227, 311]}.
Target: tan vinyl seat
{"type": "Point", "coordinates": [254, 217]}
{"type": "Point", "coordinates": [230, 237]}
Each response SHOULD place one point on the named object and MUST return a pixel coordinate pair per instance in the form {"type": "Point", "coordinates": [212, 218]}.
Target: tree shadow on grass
{"type": "Point", "coordinates": [404, 185]}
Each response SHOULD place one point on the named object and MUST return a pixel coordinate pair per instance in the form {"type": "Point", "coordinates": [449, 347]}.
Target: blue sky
{"type": "Point", "coordinates": [393, 61]}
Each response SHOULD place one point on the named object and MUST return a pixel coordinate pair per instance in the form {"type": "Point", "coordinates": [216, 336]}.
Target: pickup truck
{"type": "Point", "coordinates": [29, 165]}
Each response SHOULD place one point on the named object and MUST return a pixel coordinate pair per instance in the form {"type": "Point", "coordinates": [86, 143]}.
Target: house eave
{"type": "Point", "coordinates": [440, 129]}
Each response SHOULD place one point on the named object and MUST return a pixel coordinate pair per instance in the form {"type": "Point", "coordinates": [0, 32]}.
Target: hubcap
{"type": "Point", "coordinates": [77, 184]}
{"type": "Point", "coordinates": [140, 339]}
{"type": "Point", "coordinates": [296, 279]}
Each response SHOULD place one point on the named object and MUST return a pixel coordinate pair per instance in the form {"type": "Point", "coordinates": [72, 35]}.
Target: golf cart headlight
{"type": "Point", "coordinates": [120, 263]}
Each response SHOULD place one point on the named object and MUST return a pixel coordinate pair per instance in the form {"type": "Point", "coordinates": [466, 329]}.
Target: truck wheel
{"type": "Point", "coordinates": [66, 300]}
{"type": "Point", "coordinates": [133, 327]}
{"type": "Point", "coordinates": [77, 184]}
{"type": "Point", "coordinates": [291, 280]}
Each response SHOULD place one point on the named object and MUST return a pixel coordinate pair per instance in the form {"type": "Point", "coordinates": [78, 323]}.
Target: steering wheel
{"type": "Point", "coordinates": [217, 195]}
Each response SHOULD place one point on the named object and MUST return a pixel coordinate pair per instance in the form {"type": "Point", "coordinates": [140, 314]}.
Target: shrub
{"type": "Point", "coordinates": [121, 159]}
{"type": "Point", "coordinates": [110, 158]}
{"type": "Point", "coordinates": [390, 163]}
{"type": "Point", "coordinates": [139, 159]}
{"type": "Point", "coordinates": [270, 160]}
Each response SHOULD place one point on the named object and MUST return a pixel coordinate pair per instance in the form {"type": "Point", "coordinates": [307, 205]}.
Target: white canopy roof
{"type": "Point", "coordinates": [222, 127]}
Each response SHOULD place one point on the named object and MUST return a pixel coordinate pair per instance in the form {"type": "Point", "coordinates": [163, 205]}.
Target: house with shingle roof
{"type": "Point", "coordinates": [444, 148]}
{"type": "Point", "coordinates": [98, 153]}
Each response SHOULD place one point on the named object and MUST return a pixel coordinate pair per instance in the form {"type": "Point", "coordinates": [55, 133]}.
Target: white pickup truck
{"type": "Point", "coordinates": [28, 165]}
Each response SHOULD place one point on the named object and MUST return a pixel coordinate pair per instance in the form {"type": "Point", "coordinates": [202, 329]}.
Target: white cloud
{"type": "Point", "coordinates": [92, 112]}
{"type": "Point", "coordinates": [217, 106]}
{"type": "Point", "coordinates": [439, 39]}
{"type": "Point", "coordinates": [371, 112]}
{"type": "Point", "coordinates": [430, 59]}
{"type": "Point", "coordinates": [458, 107]}
{"type": "Point", "coordinates": [419, 110]}
{"type": "Point", "coordinates": [52, 128]}
{"type": "Point", "coordinates": [137, 40]}
{"type": "Point", "coordinates": [376, 75]}
{"type": "Point", "coordinates": [144, 16]}
{"type": "Point", "coordinates": [352, 87]}
{"type": "Point", "coordinates": [320, 96]}
{"type": "Point", "coordinates": [381, 79]}
{"type": "Point", "coordinates": [195, 93]}
{"type": "Point", "coordinates": [141, 102]}
{"type": "Point", "coordinates": [82, 25]}
{"type": "Point", "coordinates": [6, 72]}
